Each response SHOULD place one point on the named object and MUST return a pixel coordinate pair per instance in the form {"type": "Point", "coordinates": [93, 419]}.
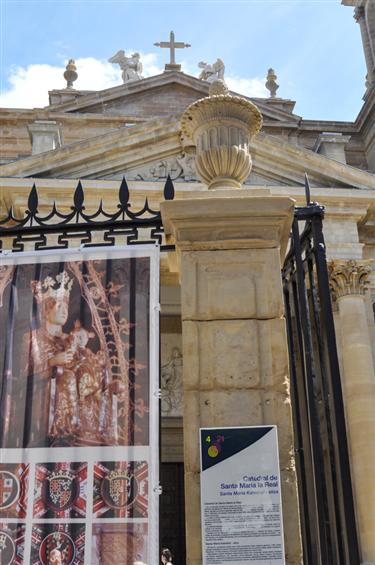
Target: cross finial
{"type": "Point", "coordinates": [172, 45]}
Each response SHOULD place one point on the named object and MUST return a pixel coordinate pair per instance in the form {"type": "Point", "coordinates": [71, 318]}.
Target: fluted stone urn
{"type": "Point", "coordinates": [221, 127]}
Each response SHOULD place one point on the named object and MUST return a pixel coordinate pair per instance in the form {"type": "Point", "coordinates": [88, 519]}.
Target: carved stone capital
{"type": "Point", "coordinates": [359, 13]}
{"type": "Point", "coordinates": [349, 277]}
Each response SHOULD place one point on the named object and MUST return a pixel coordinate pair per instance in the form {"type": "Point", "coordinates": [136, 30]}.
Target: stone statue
{"type": "Point", "coordinates": [131, 66]}
{"type": "Point", "coordinates": [212, 72]}
{"type": "Point", "coordinates": [187, 164]}
{"type": "Point", "coordinates": [171, 385]}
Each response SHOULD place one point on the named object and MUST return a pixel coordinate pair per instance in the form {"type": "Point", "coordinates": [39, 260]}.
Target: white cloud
{"type": "Point", "coordinates": [253, 87]}
{"type": "Point", "coordinates": [248, 86]}
{"type": "Point", "coordinates": [29, 86]}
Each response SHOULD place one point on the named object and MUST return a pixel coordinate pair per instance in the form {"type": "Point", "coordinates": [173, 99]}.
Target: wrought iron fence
{"type": "Point", "coordinates": [37, 230]}
{"type": "Point", "coordinates": [325, 491]}
{"type": "Point", "coordinates": [322, 460]}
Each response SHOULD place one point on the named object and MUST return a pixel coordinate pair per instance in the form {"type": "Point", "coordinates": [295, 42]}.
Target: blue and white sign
{"type": "Point", "coordinates": [241, 497]}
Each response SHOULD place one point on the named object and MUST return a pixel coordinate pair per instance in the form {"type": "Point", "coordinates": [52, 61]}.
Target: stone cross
{"type": "Point", "coordinates": [172, 45]}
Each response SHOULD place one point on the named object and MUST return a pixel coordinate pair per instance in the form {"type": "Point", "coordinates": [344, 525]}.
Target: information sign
{"type": "Point", "coordinates": [240, 496]}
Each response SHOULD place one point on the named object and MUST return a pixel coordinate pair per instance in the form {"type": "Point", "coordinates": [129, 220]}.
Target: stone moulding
{"type": "Point", "coordinates": [221, 127]}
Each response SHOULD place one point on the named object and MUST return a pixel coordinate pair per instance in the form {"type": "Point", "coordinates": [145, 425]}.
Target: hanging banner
{"type": "Point", "coordinates": [79, 418]}
{"type": "Point", "coordinates": [240, 496]}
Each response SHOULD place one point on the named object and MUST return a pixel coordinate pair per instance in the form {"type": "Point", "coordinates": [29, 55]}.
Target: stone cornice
{"type": "Point", "coordinates": [353, 3]}
{"type": "Point", "coordinates": [96, 98]}
{"type": "Point", "coordinates": [100, 155]}
{"type": "Point", "coordinates": [366, 112]}
{"type": "Point", "coordinates": [228, 219]}
{"type": "Point", "coordinates": [349, 277]}
{"type": "Point", "coordinates": [295, 161]}
{"type": "Point", "coordinates": [24, 116]}
{"type": "Point", "coordinates": [125, 148]}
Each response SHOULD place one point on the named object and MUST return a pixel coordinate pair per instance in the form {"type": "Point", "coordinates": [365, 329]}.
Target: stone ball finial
{"type": "Point", "coordinates": [271, 83]}
{"type": "Point", "coordinates": [218, 87]}
{"type": "Point", "coordinates": [70, 74]}
{"type": "Point", "coordinates": [220, 127]}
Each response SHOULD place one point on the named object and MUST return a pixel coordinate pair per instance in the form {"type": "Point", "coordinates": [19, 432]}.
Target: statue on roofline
{"type": "Point", "coordinates": [131, 66]}
{"type": "Point", "coordinates": [212, 72]}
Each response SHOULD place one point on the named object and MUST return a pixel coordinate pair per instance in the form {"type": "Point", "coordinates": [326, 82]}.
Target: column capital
{"type": "Point", "coordinates": [359, 13]}
{"type": "Point", "coordinates": [349, 277]}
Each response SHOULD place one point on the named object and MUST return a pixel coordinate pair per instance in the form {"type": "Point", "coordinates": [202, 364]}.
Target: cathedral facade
{"type": "Point", "coordinates": [141, 130]}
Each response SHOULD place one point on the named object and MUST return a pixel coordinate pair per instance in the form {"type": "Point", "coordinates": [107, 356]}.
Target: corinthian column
{"type": "Point", "coordinates": [348, 281]}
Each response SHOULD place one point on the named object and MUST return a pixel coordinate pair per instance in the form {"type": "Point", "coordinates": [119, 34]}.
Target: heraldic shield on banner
{"type": "Point", "coordinates": [79, 406]}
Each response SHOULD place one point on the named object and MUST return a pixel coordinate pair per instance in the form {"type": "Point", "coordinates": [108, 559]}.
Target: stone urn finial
{"type": "Point", "coordinates": [221, 127]}
{"type": "Point", "coordinates": [70, 74]}
{"type": "Point", "coordinates": [271, 83]}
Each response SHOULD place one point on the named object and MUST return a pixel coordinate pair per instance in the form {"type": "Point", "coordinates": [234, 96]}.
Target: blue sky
{"type": "Point", "coordinates": [314, 46]}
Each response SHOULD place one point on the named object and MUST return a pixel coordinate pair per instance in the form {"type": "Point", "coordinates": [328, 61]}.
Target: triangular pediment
{"type": "Point", "coordinates": [161, 95]}
{"type": "Point", "coordinates": [151, 150]}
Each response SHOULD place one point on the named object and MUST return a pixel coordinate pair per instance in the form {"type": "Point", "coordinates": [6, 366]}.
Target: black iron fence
{"type": "Point", "coordinates": [58, 230]}
{"type": "Point", "coordinates": [325, 488]}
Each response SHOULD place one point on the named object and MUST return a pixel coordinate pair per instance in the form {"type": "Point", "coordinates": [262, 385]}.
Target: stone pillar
{"type": "Point", "coordinates": [348, 280]}
{"type": "Point", "coordinates": [45, 135]}
{"type": "Point", "coordinates": [229, 249]}
{"type": "Point", "coordinates": [332, 145]}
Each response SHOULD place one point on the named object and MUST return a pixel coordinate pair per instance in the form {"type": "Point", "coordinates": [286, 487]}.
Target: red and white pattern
{"type": "Point", "coordinates": [14, 479]}
{"type": "Point", "coordinates": [58, 544]}
{"type": "Point", "coordinates": [12, 542]}
{"type": "Point", "coordinates": [60, 490]}
{"type": "Point", "coordinates": [121, 489]}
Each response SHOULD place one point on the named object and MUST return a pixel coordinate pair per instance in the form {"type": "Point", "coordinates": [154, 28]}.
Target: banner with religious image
{"type": "Point", "coordinates": [79, 418]}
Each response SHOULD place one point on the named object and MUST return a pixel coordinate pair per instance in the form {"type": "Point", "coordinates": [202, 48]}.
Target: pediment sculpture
{"type": "Point", "coordinates": [179, 168]}
{"type": "Point", "coordinates": [131, 66]}
{"type": "Point", "coordinates": [212, 72]}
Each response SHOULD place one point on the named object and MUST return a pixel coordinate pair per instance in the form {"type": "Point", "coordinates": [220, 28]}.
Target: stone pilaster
{"type": "Point", "coordinates": [229, 247]}
{"type": "Point", "coordinates": [45, 135]}
{"type": "Point", "coordinates": [360, 17]}
{"type": "Point", "coordinates": [332, 145]}
{"type": "Point", "coordinates": [348, 281]}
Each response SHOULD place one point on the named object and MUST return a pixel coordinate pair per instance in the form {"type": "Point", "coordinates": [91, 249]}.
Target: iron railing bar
{"type": "Point", "coordinates": [318, 468]}
{"type": "Point", "coordinates": [300, 453]}
{"type": "Point", "coordinates": [332, 508]}
{"type": "Point", "coordinates": [311, 517]}
{"type": "Point", "coordinates": [340, 441]}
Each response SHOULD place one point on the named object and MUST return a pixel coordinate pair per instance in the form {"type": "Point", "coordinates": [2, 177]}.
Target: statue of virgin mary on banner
{"type": "Point", "coordinates": [74, 380]}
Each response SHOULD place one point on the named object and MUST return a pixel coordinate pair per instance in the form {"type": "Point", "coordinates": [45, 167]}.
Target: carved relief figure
{"type": "Point", "coordinates": [171, 385]}
{"type": "Point", "coordinates": [131, 66]}
{"type": "Point", "coordinates": [187, 164]}
{"type": "Point", "coordinates": [181, 167]}
{"type": "Point", "coordinates": [212, 72]}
